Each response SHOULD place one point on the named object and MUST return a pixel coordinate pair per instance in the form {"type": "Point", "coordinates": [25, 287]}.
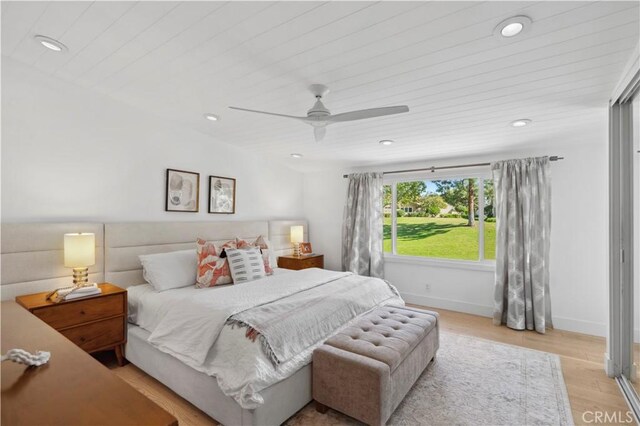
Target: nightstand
{"type": "Point", "coordinates": [302, 262]}
{"type": "Point", "coordinates": [94, 323]}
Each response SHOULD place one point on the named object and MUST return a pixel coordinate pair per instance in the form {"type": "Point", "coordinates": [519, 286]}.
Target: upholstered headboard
{"type": "Point", "coordinates": [124, 242]}
{"type": "Point", "coordinates": [280, 235]}
{"type": "Point", "coordinates": [32, 257]}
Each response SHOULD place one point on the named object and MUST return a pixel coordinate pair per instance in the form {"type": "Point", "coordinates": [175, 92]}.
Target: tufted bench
{"type": "Point", "coordinates": [366, 370]}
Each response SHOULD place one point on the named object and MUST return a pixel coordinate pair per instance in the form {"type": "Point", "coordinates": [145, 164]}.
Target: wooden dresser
{"type": "Point", "coordinates": [71, 389]}
{"type": "Point", "coordinates": [302, 262]}
{"type": "Point", "coordinates": [94, 323]}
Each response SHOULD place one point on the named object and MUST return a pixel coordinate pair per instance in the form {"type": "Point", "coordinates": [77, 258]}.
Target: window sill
{"type": "Point", "coordinates": [486, 265]}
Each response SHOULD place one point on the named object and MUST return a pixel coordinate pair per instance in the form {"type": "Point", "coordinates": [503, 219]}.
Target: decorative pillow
{"type": "Point", "coordinates": [213, 268]}
{"type": "Point", "coordinates": [246, 264]}
{"type": "Point", "coordinates": [165, 271]}
{"type": "Point", "coordinates": [268, 255]}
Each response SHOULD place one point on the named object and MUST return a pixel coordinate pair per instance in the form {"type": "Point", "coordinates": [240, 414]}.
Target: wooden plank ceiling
{"type": "Point", "coordinates": [463, 84]}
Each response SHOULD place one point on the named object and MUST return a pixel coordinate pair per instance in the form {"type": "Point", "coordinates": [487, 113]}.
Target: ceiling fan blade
{"type": "Point", "coordinates": [367, 113]}
{"type": "Point", "coordinates": [270, 113]}
{"type": "Point", "coordinates": [319, 132]}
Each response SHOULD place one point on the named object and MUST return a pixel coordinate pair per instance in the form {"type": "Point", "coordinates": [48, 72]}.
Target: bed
{"type": "Point", "coordinates": [31, 261]}
{"type": "Point", "coordinates": [232, 396]}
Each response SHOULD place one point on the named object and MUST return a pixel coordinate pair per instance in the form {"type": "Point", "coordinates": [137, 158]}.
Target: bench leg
{"type": "Point", "coordinates": [321, 408]}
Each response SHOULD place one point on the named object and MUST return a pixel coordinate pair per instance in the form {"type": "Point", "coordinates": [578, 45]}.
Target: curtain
{"type": "Point", "coordinates": [523, 224]}
{"type": "Point", "coordinates": [362, 226]}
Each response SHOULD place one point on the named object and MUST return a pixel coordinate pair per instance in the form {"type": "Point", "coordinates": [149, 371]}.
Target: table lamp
{"type": "Point", "coordinates": [297, 236]}
{"type": "Point", "coordinates": [79, 254]}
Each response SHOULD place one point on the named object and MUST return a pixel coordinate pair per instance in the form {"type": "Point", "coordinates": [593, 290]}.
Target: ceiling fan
{"type": "Point", "coordinates": [320, 117]}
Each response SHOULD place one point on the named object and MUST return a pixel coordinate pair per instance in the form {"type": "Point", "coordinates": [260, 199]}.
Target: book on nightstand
{"type": "Point", "coordinates": [72, 293]}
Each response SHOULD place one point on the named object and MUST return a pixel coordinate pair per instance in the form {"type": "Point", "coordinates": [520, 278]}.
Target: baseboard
{"type": "Point", "coordinates": [580, 326]}
{"type": "Point", "coordinates": [449, 304]}
{"type": "Point", "coordinates": [561, 323]}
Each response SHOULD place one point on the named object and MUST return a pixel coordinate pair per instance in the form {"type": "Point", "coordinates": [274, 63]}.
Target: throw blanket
{"type": "Point", "coordinates": [191, 326]}
{"type": "Point", "coordinates": [287, 326]}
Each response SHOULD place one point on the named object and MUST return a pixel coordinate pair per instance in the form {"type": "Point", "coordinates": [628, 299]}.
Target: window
{"type": "Point", "coordinates": [451, 218]}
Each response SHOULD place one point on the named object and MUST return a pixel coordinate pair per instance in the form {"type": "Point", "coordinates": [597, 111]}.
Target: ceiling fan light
{"type": "Point", "coordinates": [386, 142]}
{"type": "Point", "coordinates": [211, 117]}
{"type": "Point", "coordinates": [295, 155]}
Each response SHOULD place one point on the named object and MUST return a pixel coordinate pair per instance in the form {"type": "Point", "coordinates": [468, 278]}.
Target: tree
{"type": "Point", "coordinates": [432, 204]}
{"type": "Point", "coordinates": [410, 192]}
{"type": "Point", "coordinates": [386, 196]}
{"type": "Point", "coordinates": [471, 198]}
{"type": "Point", "coordinates": [462, 194]}
{"type": "Point", "coordinates": [489, 209]}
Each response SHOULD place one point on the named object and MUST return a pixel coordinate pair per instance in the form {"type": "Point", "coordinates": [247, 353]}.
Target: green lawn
{"type": "Point", "coordinates": [440, 237]}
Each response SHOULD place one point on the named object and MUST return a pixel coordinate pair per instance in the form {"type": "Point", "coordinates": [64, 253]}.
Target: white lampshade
{"type": "Point", "coordinates": [297, 234]}
{"type": "Point", "coordinates": [79, 250]}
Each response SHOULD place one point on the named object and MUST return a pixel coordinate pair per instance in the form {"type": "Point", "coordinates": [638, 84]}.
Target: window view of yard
{"type": "Point", "coordinates": [440, 219]}
{"type": "Point", "coordinates": [448, 238]}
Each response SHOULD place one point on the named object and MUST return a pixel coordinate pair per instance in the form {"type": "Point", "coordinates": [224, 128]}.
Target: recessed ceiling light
{"type": "Point", "coordinates": [297, 155]}
{"type": "Point", "coordinates": [512, 29]}
{"type": "Point", "coordinates": [520, 123]}
{"type": "Point", "coordinates": [211, 117]}
{"type": "Point", "coordinates": [386, 142]}
{"type": "Point", "coordinates": [50, 43]}
{"type": "Point", "coordinates": [513, 26]}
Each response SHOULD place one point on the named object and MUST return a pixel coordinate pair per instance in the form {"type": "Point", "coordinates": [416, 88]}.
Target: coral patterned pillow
{"type": "Point", "coordinates": [212, 269]}
{"type": "Point", "coordinates": [265, 248]}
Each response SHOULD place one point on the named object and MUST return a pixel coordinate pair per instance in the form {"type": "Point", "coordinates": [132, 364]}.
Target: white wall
{"type": "Point", "coordinates": [579, 241]}
{"type": "Point", "coordinates": [71, 154]}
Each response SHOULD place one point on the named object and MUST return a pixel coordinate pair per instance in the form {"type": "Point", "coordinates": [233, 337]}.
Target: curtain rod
{"type": "Point", "coordinates": [433, 169]}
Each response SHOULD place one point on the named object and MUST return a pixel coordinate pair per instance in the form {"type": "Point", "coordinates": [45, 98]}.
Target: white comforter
{"type": "Point", "coordinates": [189, 323]}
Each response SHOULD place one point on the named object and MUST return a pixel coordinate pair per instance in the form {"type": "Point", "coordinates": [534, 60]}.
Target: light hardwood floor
{"type": "Point", "coordinates": [582, 364]}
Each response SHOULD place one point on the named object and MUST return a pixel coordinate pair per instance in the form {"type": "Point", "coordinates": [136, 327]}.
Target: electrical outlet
{"type": "Point", "coordinates": [427, 287]}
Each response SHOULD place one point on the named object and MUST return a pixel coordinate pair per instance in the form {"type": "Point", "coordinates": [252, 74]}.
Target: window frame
{"type": "Point", "coordinates": [481, 263]}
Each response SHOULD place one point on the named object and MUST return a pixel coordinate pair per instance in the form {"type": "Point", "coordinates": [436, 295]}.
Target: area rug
{"type": "Point", "coordinates": [476, 382]}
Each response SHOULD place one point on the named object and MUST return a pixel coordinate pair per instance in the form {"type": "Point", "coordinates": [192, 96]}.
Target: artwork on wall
{"type": "Point", "coordinates": [222, 195]}
{"type": "Point", "coordinates": [182, 192]}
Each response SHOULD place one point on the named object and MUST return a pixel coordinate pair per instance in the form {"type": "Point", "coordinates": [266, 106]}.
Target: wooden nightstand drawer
{"type": "Point", "coordinates": [314, 262]}
{"type": "Point", "coordinates": [97, 335]}
{"type": "Point", "coordinates": [79, 312]}
{"type": "Point", "coordinates": [297, 263]}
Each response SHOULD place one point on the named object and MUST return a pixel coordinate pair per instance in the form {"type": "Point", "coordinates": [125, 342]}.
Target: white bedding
{"type": "Point", "coordinates": [178, 325]}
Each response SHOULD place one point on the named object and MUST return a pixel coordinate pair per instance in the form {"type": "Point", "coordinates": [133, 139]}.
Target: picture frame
{"type": "Point", "coordinates": [182, 191]}
{"type": "Point", "coordinates": [305, 249]}
{"type": "Point", "coordinates": [222, 195]}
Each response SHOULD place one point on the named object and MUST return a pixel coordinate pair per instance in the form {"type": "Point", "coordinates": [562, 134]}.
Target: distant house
{"type": "Point", "coordinates": [447, 210]}
{"type": "Point", "coordinates": [411, 208]}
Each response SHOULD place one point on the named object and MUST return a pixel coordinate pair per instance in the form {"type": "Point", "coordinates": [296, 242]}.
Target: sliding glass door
{"type": "Point", "coordinates": [635, 111]}
{"type": "Point", "coordinates": [624, 243]}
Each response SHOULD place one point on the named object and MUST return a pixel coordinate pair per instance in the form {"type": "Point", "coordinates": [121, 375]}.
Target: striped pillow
{"type": "Point", "coordinates": [246, 265]}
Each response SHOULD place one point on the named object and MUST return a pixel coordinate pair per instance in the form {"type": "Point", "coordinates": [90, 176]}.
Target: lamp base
{"type": "Point", "coordinates": [296, 249]}
{"type": "Point", "coordinates": [80, 277]}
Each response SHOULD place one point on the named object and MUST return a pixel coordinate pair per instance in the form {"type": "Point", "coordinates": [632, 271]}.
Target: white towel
{"type": "Point", "coordinates": [84, 293]}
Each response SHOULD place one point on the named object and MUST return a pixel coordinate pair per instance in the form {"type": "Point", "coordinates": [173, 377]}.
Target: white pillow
{"type": "Point", "coordinates": [245, 265]}
{"type": "Point", "coordinates": [175, 269]}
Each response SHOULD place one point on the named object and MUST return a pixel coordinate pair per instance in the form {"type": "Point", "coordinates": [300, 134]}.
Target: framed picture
{"type": "Point", "coordinates": [182, 192]}
{"type": "Point", "coordinates": [305, 249]}
{"type": "Point", "coordinates": [222, 195]}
